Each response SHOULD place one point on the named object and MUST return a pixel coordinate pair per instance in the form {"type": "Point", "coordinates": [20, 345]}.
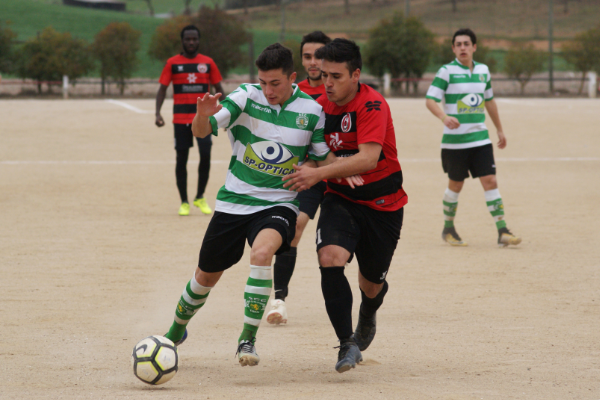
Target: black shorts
{"type": "Point", "coordinates": [373, 235]}
{"type": "Point", "coordinates": [457, 163]}
{"type": "Point", "coordinates": [184, 138]}
{"type": "Point", "coordinates": [311, 199]}
{"type": "Point", "coordinates": [226, 235]}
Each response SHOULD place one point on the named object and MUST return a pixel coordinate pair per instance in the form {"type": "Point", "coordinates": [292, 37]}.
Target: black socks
{"type": "Point", "coordinates": [338, 300]}
{"type": "Point", "coordinates": [369, 307]}
{"type": "Point", "coordinates": [181, 173]}
{"type": "Point", "coordinates": [203, 167]}
{"type": "Point", "coordinates": [282, 272]}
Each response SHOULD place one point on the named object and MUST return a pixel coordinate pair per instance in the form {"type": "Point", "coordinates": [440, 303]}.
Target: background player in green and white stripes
{"type": "Point", "coordinates": [465, 87]}
{"type": "Point", "coordinates": [271, 126]}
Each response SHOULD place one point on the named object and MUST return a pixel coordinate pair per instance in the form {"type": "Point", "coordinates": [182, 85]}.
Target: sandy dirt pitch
{"type": "Point", "coordinates": [94, 258]}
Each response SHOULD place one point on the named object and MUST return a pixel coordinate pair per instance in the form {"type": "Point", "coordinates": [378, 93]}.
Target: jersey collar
{"type": "Point", "coordinates": [293, 97]}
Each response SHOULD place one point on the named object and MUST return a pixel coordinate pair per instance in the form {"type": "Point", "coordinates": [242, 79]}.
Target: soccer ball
{"type": "Point", "coordinates": [154, 360]}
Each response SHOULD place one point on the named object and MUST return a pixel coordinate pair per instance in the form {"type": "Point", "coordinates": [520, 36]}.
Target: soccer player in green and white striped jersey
{"type": "Point", "coordinates": [465, 87]}
{"type": "Point", "coordinates": [272, 127]}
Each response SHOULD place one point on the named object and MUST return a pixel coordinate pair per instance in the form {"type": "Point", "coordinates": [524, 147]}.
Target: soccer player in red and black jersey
{"type": "Point", "coordinates": [366, 220]}
{"type": "Point", "coordinates": [310, 199]}
{"type": "Point", "coordinates": [192, 75]}
{"type": "Point", "coordinates": [313, 84]}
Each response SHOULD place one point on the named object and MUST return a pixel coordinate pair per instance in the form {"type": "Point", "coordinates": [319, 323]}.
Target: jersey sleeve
{"type": "Point", "coordinates": [372, 122]}
{"type": "Point", "coordinates": [215, 74]}
{"type": "Point", "coordinates": [318, 149]}
{"type": "Point", "coordinates": [439, 85]}
{"type": "Point", "coordinates": [165, 76]}
{"type": "Point", "coordinates": [489, 93]}
{"type": "Point", "coordinates": [233, 106]}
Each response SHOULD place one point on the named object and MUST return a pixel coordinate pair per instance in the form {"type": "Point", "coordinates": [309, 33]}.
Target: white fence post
{"type": "Point", "coordinates": [387, 84]}
{"type": "Point", "coordinates": [65, 87]}
{"type": "Point", "coordinates": [592, 84]}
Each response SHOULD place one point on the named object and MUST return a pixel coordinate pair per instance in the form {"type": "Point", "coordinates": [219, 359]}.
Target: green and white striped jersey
{"type": "Point", "coordinates": [266, 141]}
{"type": "Point", "coordinates": [464, 94]}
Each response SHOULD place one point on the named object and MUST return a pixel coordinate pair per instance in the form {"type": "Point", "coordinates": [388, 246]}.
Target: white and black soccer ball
{"type": "Point", "coordinates": [155, 360]}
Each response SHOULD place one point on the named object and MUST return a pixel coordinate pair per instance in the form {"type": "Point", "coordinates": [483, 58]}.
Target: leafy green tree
{"type": "Point", "coordinates": [400, 46]}
{"type": "Point", "coordinates": [221, 36]}
{"type": "Point", "coordinates": [116, 48]}
{"type": "Point", "coordinates": [482, 55]}
{"type": "Point", "coordinates": [583, 52]}
{"type": "Point", "coordinates": [522, 61]}
{"type": "Point", "coordinates": [51, 54]}
{"type": "Point", "coordinates": [7, 37]}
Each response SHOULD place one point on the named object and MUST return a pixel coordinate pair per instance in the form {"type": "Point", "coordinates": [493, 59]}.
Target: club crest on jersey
{"type": "Point", "coordinates": [346, 123]}
{"type": "Point", "coordinates": [202, 68]}
{"type": "Point", "coordinates": [481, 78]}
{"type": "Point", "coordinates": [302, 121]}
{"type": "Point", "coordinates": [180, 68]}
{"type": "Point", "coordinates": [191, 78]}
{"type": "Point", "coordinates": [270, 158]}
{"type": "Point", "coordinates": [470, 104]}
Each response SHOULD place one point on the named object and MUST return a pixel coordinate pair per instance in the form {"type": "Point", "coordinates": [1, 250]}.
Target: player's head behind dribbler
{"type": "Point", "coordinates": [309, 45]}
{"type": "Point", "coordinates": [190, 40]}
{"type": "Point", "coordinates": [464, 44]}
{"type": "Point", "coordinates": [276, 73]}
{"type": "Point", "coordinates": [341, 65]}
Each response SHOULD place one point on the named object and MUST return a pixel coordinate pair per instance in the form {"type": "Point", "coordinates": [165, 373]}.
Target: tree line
{"type": "Point", "coordinates": [400, 46]}
{"type": "Point", "coordinates": [404, 48]}
{"type": "Point", "coordinates": [49, 55]}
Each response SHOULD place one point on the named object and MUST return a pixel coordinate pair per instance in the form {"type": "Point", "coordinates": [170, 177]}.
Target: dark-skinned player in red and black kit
{"type": "Point", "coordinates": [192, 75]}
{"type": "Point", "coordinates": [366, 220]}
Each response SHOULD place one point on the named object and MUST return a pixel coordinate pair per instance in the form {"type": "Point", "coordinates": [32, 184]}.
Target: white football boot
{"type": "Point", "coordinates": [278, 313]}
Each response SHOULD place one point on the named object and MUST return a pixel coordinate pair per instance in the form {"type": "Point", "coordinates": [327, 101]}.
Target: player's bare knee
{"type": "Point", "coordinates": [331, 257]}
{"type": "Point", "coordinates": [261, 255]}
{"type": "Point", "coordinates": [489, 182]}
{"type": "Point", "coordinates": [208, 279]}
{"type": "Point", "coordinates": [456, 186]}
{"type": "Point", "coordinates": [372, 290]}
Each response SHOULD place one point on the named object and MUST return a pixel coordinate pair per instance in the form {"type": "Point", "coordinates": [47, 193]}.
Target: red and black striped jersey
{"type": "Point", "coordinates": [313, 92]}
{"type": "Point", "coordinates": [366, 119]}
{"type": "Point", "coordinates": [191, 77]}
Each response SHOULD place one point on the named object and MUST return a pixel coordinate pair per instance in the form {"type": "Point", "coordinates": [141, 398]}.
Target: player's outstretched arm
{"type": "Point", "coordinates": [450, 122]}
{"type": "Point", "coordinates": [347, 167]}
{"type": "Point", "coordinates": [206, 107]}
{"type": "Point", "coordinates": [492, 109]}
{"type": "Point", "coordinates": [354, 180]}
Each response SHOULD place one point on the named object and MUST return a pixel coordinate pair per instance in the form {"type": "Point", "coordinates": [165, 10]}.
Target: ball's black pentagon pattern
{"type": "Point", "coordinates": [152, 359]}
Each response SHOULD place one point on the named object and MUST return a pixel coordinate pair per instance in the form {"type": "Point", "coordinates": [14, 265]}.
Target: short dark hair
{"type": "Point", "coordinates": [276, 56]}
{"type": "Point", "coordinates": [314, 37]}
{"type": "Point", "coordinates": [190, 28]}
{"type": "Point", "coordinates": [341, 50]}
{"type": "Point", "coordinates": [467, 32]}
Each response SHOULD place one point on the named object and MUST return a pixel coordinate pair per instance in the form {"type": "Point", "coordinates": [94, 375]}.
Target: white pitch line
{"type": "Point", "coordinates": [405, 160]}
{"type": "Point", "coordinates": [128, 106]}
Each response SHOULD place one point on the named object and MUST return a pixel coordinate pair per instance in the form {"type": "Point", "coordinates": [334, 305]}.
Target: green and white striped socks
{"type": "Point", "coordinates": [450, 204]}
{"type": "Point", "coordinates": [256, 298]}
{"type": "Point", "coordinates": [495, 206]}
{"type": "Point", "coordinates": [193, 298]}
